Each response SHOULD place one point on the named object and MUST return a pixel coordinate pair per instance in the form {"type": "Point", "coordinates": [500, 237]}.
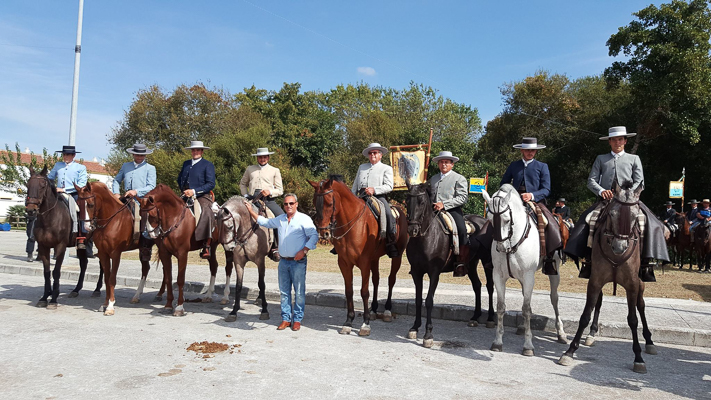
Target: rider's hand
{"type": "Point", "coordinates": [60, 190]}
{"type": "Point", "coordinates": [189, 192]}
{"type": "Point", "coordinates": [370, 191]}
{"type": "Point", "coordinates": [117, 196]}
{"type": "Point", "coordinates": [607, 194]}
{"type": "Point", "coordinates": [526, 196]}
{"type": "Point", "coordinates": [130, 193]}
{"type": "Point", "coordinates": [438, 206]}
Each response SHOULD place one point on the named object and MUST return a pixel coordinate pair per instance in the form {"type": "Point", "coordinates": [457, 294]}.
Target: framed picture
{"type": "Point", "coordinates": [408, 163]}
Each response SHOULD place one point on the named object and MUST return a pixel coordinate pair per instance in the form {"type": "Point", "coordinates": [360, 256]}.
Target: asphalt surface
{"type": "Point", "coordinates": [141, 352]}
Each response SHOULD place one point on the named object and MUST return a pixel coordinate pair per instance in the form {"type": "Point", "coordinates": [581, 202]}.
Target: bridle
{"type": "Point", "coordinates": [93, 225]}
{"type": "Point", "coordinates": [332, 227]}
{"type": "Point", "coordinates": [36, 197]}
{"type": "Point", "coordinates": [632, 234]}
{"type": "Point", "coordinates": [159, 232]}
{"type": "Point", "coordinates": [497, 228]}
{"type": "Point", "coordinates": [413, 218]}
{"type": "Point", "coordinates": [240, 240]}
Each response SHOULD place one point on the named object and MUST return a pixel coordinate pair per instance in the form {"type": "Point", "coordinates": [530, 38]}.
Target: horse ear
{"type": "Point", "coordinates": [638, 190]}
{"type": "Point", "coordinates": [486, 196]}
{"type": "Point", "coordinates": [44, 171]}
{"type": "Point", "coordinates": [408, 184]}
{"type": "Point", "coordinates": [32, 170]}
{"type": "Point", "coordinates": [312, 183]}
{"type": "Point", "coordinates": [78, 188]}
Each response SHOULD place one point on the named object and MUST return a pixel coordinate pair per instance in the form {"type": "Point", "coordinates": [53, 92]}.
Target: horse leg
{"type": "Point", "coordinates": [593, 293]}
{"type": "Point", "coordinates": [99, 282]}
{"type": "Point", "coordinates": [105, 262]}
{"type": "Point", "coordinates": [115, 260]}
{"type": "Point", "coordinates": [44, 256]}
{"type": "Point", "coordinates": [347, 272]}
{"type": "Point", "coordinates": [555, 282]}
{"type": "Point", "coordinates": [590, 339]}
{"type": "Point", "coordinates": [182, 267]}
{"type": "Point", "coordinates": [145, 268]}
{"type": "Point", "coordinates": [476, 285]}
{"type": "Point", "coordinates": [417, 280]}
{"type": "Point", "coordinates": [375, 270]}
{"type": "Point", "coordinates": [56, 274]}
{"type": "Point", "coordinates": [632, 302]}
{"type": "Point", "coordinates": [83, 262]}
{"type": "Point", "coordinates": [489, 273]}
{"type": "Point", "coordinates": [229, 266]}
{"type": "Point", "coordinates": [167, 285]}
{"type": "Point", "coordinates": [213, 277]}
{"type": "Point", "coordinates": [365, 294]}
{"type": "Point", "coordinates": [394, 267]}
{"type": "Point", "coordinates": [262, 288]}
{"type": "Point", "coordinates": [429, 303]}
{"type": "Point", "coordinates": [649, 346]}
{"type": "Point", "coordinates": [527, 289]}
{"type": "Point", "coordinates": [500, 283]}
{"type": "Point", "coordinates": [239, 280]}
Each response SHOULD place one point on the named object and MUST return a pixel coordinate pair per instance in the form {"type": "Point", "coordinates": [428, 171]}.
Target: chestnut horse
{"type": "Point", "coordinates": [345, 220]}
{"type": "Point", "coordinates": [172, 225]}
{"type": "Point", "coordinates": [53, 230]}
{"type": "Point", "coordinates": [110, 223]}
{"type": "Point", "coordinates": [564, 234]}
{"type": "Point", "coordinates": [682, 242]}
{"type": "Point", "coordinates": [616, 258]}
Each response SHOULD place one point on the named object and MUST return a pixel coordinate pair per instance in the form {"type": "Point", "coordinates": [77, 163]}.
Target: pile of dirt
{"type": "Point", "coordinates": [206, 347]}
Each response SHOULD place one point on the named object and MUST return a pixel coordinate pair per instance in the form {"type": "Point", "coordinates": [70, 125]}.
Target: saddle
{"type": "Point", "coordinates": [450, 228]}
{"type": "Point", "coordinates": [375, 207]}
{"type": "Point", "coordinates": [135, 209]}
{"type": "Point", "coordinates": [73, 214]}
{"type": "Point", "coordinates": [265, 212]}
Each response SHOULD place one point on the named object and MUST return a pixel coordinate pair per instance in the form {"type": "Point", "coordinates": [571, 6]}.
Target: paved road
{"type": "Point", "coordinates": [76, 352]}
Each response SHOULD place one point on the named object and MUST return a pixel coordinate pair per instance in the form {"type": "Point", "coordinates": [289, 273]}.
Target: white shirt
{"type": "Point", "coordinates": [525, 163]}
{"type": "Point", "coordinates": [195, 161]}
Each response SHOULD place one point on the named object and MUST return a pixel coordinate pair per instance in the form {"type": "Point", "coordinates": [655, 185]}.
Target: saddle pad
{"type": "Point", "coordinates": [533, 206]}
{"type": "Point", "coordinates": [73, 210]}
{"type": "Point", "coordinates": [197, 210]}
{"type": "Point", "coordinates": [375, 207]}
{"type": "Point", "coordinates": [449, 221]}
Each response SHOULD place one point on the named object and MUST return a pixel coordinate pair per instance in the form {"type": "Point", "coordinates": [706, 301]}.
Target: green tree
{"type": "Point", "coordinates": [15, 173]}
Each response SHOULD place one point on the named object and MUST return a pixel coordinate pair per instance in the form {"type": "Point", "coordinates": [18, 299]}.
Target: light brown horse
{"type": "Point", "coordinates": [345, 220]}
{"type": "Point", "coordinates": [172, 225]}
{"type": "Point", "coordinates": [111, 227]}
{"type": "Point", "coordinates": [616, 258]}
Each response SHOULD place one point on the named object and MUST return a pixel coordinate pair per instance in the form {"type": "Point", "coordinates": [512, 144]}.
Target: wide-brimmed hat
{"type": "Point", "coordinates": [562, 200]}
{"type": "Point", "coordinates": [197, 144]}
{"type": "Point", "coordinates": [617, 131]}
{"type": "Point", "coordinates": [140, 149]}
{"type": "Point", "coordinates": [529, 143]}
{"type": "Point", "coordinates": [705, 201]}
{"type": "Point", "coordinates": [263, 151]}
{"type": "Point", "coordinates": [445, 155]}
{"type": "Point", "coordinates": [68, 150]}
{"type": "Point", "coordinates": [374, 146]}
{"type": "Point", "coordinates": [694, 201]}
{"type": "Point", "coordinates": [669, 203]}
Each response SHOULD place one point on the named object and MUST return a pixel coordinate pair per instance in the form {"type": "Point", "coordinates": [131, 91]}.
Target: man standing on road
{"type": "Point", "coordinates": [297, 235]}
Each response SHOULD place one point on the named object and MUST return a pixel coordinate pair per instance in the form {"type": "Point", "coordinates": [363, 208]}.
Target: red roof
{"type": "Point", "coordinates": [91, 167]}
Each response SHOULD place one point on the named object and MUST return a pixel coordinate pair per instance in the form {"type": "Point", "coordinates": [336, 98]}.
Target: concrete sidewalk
{"type": "Point", "coordinates": [685, 322]}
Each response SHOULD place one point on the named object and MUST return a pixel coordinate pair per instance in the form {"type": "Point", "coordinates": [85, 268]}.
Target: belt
{"type": "Point", "coordinates": [292, 258]}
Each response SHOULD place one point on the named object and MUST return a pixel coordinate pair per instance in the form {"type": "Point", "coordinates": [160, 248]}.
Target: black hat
{"type": "Point", "coordinates": [562, 200]}
{"type": "Point", "coordinates": [669, 203]}
{"type": "Point", "coordinates": [68, 150]}
{"type": "Point", "coordinates": [694, 201]}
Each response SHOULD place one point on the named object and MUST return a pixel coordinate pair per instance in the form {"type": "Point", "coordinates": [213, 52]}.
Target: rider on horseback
{"type": "Point", "coordinates": [532, 180]}
{"type": "Point", "coordinates": [138, 178]}
{"type": "Point", "coordinates": [197, 179]}
{"type": "Point", "coordinates": [625, 169]}
{"type": "Point", "coordinates": [562, 209]}
{"type": "Point", "coordinates": [68, 173]}
{"type": "Point", "coordinates": [450, 192]}
{"type": "Point", "coordinates": [376, 179]}
{"type": "Point", "coordinates": [263, 181]}
{"type": "Point", "coordinates": [669, 217]}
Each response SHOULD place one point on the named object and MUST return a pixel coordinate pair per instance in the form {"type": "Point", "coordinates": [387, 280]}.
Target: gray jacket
{"type": "Point", "coordinates": [627, 167]}
{"type": "Point", "coordinates": [452, 191]}
{"type": "Point", "coordinates": [378, 176]}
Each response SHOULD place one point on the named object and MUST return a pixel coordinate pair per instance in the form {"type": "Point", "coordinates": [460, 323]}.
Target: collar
{"type": "Point", "coordinates": [444, 175]}
{"type": "Point", "coordinates": [618, 155]}
{"type": "Point", "coordinates": [136, 165]}
{"type": "Point", "coordinates": [525, 163]}
{"type": "Point", "coordinates": [262, 166]}
{"type": "Point", "coordinates": [373, 165]}
{"type": "Point", "coordinates": [196, 161]}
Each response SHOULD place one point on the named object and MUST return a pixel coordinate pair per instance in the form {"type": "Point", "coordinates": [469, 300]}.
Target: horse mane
{"type": "Point", "coordinates": [165, 192]}
{"type": "Point", "coordinates": [337, 186]}
{"type": "Point", "coordinates": [511, 194]}
{"type": "Point", "coordinates": [102, 186]}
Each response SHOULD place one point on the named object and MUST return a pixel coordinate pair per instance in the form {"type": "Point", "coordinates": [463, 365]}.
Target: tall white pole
{"type": "Point", "coordinates": [75, 86]}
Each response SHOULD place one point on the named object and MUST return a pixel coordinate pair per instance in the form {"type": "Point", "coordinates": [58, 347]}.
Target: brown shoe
{"type": "Point", "coordinates": [296, 326]}
{"type": "Point", "coordinates": [284, 325]}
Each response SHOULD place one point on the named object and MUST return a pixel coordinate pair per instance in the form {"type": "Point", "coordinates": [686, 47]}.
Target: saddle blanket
{"type": "Point", "coordinates": [451, 227]}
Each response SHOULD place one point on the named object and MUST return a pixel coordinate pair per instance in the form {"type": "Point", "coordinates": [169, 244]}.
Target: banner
{"type": "Point", "coordinates": [676, 189]}
{"type": "Point", "coordinates": [408, 163]}
{"type": "Point", "coordinates": [477, 185]}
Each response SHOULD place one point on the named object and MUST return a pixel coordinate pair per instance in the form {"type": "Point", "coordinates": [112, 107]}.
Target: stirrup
{"type": "Point", "coordinates": [205, 253]}
{"type": "Point", "coordinates": [81, 245]}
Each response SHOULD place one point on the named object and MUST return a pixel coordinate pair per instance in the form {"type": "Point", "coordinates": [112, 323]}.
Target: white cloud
{"type": "Point", "coordinates": [367, 71]}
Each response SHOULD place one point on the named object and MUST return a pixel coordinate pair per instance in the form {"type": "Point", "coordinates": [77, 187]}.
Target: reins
{"type": "Point", "coordinates": [332, 227]}
{"type": "Point", "coordinates": [161, 233]}
{"type": "Point", "coordinates": [96, 225]}
{"type": "Point", "coordinates": [497, 231]}
{"type": "Point", "coordinates": [242, 240]}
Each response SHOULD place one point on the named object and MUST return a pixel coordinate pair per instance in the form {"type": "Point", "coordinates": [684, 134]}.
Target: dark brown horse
{"type": "Point", "coordinates": [111, 227]}
{"type": "Point", "coordinates": [616, 258]}
{"type": "Point", "coordinates": [346, 221]}
{"type": "Point", "coordinates": [172, 226]}
{"type": "Point", "coordinates": [429, 252]}
{"type": "Point", "coordinates": [702, 244]}
{"type": "Point", "coordinates": [53, 230]}
{"type": "Point", "coordinates": [682, 241]}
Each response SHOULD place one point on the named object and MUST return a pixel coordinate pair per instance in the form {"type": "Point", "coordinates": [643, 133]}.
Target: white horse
{"type": "Point", "coordinates": [516, 253]}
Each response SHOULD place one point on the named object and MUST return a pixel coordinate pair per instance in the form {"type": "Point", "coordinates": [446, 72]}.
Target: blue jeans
{"type": "Point", "coordinates": [292, 272]}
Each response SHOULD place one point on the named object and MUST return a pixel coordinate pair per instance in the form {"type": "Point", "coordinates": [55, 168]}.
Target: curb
{"type": "Point", "coordinates": [452, 312]}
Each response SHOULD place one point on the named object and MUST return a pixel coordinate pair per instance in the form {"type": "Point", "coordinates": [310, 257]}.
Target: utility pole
{"type": "Point", "coordinates": [75, 86]}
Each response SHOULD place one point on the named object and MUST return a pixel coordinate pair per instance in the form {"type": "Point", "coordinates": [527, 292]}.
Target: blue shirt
{"type": "Point", "coordinates": [293, 236]}
{"type": "Point", "coordinates": [68, 174]}
{"type": "Point", "coordinates": [141, 178]}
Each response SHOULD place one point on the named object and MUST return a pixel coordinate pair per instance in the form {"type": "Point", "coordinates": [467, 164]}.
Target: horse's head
{"type": "Point", "coordinates": [325, 203]}
{"type": "Point", "coordinates": [418, 204]}
{"type": "Point", "coordinates": [87, 206]}
{"type": "Point", "coordinates": [503, 206]}
{"type": "Point", "coordinates": [622, 225]}
{"type": "Point", "coordinates": [229, 218]}
{"type": "Point", "coordinates": [37, 188]}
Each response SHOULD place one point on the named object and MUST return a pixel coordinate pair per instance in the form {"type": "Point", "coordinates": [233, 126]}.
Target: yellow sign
{"type": "Point", "coordinates": [676, 189]}
{"type": "Point", "coordinates": [477, 185]}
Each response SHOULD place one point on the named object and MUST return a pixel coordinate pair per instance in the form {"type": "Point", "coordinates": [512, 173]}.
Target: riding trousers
{"type": "Point", "coordinates": [389, 215]}
{"type": "Point", "coordinates": [203, 230]}
{"type": "Point", "coordinates": [458, 216]}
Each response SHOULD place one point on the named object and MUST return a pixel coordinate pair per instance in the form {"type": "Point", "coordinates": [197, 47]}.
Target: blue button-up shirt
{"type": "Point", "coordinates": [68, 174]}
{"type": "Point", "coordinates": [141, 178]}
{"type": "Point", "coordinates": [293, 236]}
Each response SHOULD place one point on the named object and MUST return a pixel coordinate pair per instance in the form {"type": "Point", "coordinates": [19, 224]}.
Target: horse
{"type": "Point", "coordinates": [110, 224]}
{"type": "Point", "coordinates": [682, 241]}
{"type": "Point", "coordinates": [564, 233]}
{"type": "Point", "coordinates": [53, 230]}
{"type": "Point", "coordinates": [243, 241]}
{"type": "Point", "coordinates": [517, 254]}
{"type": "Point", "coordinates": [702, 244]}
{"type": "Point", "coordinates": [344, 219]}
{"type": "Point", "coordinates": [429, 252]}
{"type": "Point", "coordinates": [616, 258]}
{"type": "Point", "coordinates": [166, 209]}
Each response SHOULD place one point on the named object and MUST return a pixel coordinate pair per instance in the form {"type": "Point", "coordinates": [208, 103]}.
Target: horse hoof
{"type": "Point", "coordinates": [427, 343]}
{"type": "Point", "coordinates": [650, 349]}
{"type": "Point", "coordinates": [168, 310]}
{"type": "Point", "coordinates": [562, 340]}
{"type": "Point", "coordinates": [96, 293]}
{"type": "Point", "coordinates": [473, 323]}
{"type": "Point", "coordinates": [231, 318]}
{"type": "Point", "coordinates": [264, 316]}
{"type": "Point", "coordinates": [206, 300]}
{"type": "Point", "coordinates": [639, 368]}
{"type": "Point", "coordinates": [224, 302]}
{"type": "Point", "coordinates": [412, 335]}
{"type": "Point", "coordinates": [257, 301]}
{"type": "Point", "coordinates": [565, 360]}
{"type": "Point", "coordinates": [520, 331]}
{"type": "Point", "coordinates": [373, 316]}
{"type": "Point", "coordinates": [345, 330]}
{"type": "Point", "coordinates": [109, 312]}
{"type": "Point", "coordinates": [490, 324]}
{"type": "Point", "coordinates": [42, 303]}
{"type": "Point", "coordinates": [158, 298]}
{"type": "Point", "coordinates": [497, 347]}
{"type": "Point", "coordinates": [364, 331]}
{"type": "Point", "coordinates": [52, 306]}
{"type": "Point", "coordinates": [387, 316]}
{"type": "Point", "coordinates": [179, 313]}
{"type": "Point", "coordinates": [527, 352]}
{"type": "Point", "coordinates": [135, 300]}
{"type": "Point", "coordinates": [72, 295]}
{"type": "Point", "coordinates": [590, 341]}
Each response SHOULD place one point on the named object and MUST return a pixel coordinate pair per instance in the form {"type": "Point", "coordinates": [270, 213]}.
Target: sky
{"type": "Point", "coordinates": [466, 50]}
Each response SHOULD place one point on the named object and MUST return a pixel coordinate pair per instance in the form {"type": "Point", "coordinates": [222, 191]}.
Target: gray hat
{"type": "Point", "coordinates": [562, 200]}
{"type": "Point", "coordinates": [445, 155]}
{"type": "Point", "coordinates": [140, 149]}
{"type": "Point", "coordinates": [196, 144]}
{"type": "Point", "coordinates": [374, 146]}
{"type": "Point", "coordinates": [263, 151]}
{"type": "Point", "coordinates": [617, 131]}
{"type": "Point", "coordinates": [529, 143]}
{"type": "Point", "coordinates": [694, 201]}
{"type": "Point", "coordinates": [669, 203]}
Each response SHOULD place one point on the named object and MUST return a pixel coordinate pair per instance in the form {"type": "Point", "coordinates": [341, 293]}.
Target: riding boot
{"type": "Point", "coordinates": [205, 252]}
{"type": "Point", "coordinates": [646, 271]}
{"type": "Point", "coordinates": [144, 254]}
{"type": "Point", "coordinates": [274, 251]}
{"type": "Point", "coordinates": [391, 247]}
{"type": "Point", "coordinates": [90, 248]}
{"type": "Point", "coordinates": [549, 265]}
{"type": "Point", "coordinates": [585, 270]}
{"type": "Point", "coordinates": [460, 266]}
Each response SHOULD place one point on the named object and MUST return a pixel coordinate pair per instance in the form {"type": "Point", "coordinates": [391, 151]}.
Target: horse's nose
{"type": "Point", "coordinates": [413, 231]}
{"type": "Point", "coordinates": [326, 235]}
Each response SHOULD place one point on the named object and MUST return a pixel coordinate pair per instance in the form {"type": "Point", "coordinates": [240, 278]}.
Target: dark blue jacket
{"type": "Point", "coordinates": [199, 177]}
{"type": "Point", "coordinates": [538, 178]}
